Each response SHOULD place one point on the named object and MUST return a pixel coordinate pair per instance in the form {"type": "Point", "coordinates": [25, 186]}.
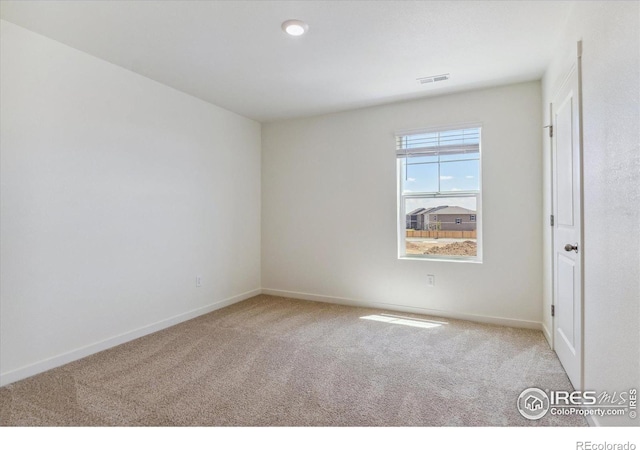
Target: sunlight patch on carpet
{"type": "Point", "coordinates": [401, 320]}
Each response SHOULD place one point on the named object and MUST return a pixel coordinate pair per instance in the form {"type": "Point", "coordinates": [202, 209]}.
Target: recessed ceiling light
{"type": "Point", "coordinates": [294, 27]}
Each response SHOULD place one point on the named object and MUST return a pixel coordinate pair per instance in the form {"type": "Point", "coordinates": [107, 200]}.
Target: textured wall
{"type": "Point", "coordinates": [330, 201]}
{"type": "Point", "coordinates": [116, 192]}
{"type": "Point", "coordinates": [611, 131]}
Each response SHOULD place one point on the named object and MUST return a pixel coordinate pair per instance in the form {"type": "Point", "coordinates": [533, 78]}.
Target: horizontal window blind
{"type": "Point", "coordinates": [438, 143]}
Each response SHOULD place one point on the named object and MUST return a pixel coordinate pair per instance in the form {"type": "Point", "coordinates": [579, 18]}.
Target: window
{"type": "Point", "coordinates": [439, 184]}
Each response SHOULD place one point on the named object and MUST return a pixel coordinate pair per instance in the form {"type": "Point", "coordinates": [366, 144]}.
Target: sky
{"type": "Point", "coordinates": [450, 170]}
{"type": "Point", "coordinates": [422, 176]}
{"type": "Point", "coordinates": [454, 166]}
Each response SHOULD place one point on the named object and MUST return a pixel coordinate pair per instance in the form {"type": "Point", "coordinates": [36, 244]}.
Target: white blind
{"type": "Point", "coordinates": [433, 143]}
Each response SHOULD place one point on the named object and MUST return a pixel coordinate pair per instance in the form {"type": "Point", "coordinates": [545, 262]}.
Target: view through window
{"type": "Point", "coordinates": [439, 188]}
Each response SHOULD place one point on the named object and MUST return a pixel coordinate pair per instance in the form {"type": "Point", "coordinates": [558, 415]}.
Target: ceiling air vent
{"type": "Point", "coordinates": [433, 78]}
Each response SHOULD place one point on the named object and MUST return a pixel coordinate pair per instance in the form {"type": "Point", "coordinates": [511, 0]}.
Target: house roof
{"type": "Point", "coordinates": [453, 210]}
{"type": "Point", "coordinates": [428, 210]}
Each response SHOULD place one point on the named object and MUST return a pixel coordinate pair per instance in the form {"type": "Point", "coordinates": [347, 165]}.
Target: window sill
{"type": "Point", "coordinates": [436, 259]}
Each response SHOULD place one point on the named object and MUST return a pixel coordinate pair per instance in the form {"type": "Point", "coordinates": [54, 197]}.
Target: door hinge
{"type": "Point", "coordinates": [551, 220]}
{"type": "Point", "coordinates": [553, 310]}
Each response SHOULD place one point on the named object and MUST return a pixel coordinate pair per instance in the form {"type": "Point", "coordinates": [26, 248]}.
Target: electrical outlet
{"type": "Point", "coordinates": [431, 280]}
{"type": "Point", "coordinates": [198, 281]}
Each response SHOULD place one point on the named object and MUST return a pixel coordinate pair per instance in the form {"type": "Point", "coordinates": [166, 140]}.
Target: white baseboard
{"type": "Point", "coordinates": [59, 360]}
{"type": "Point", "coordinates": [73, 355]}
{"type": "Point", "coordinates": [547, 335]}
{"type": "Point", "coordinates": [516, 323]}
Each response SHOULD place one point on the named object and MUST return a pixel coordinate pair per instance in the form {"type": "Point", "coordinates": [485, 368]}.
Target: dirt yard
{"type": "Point", "coordinates": [431, 247]}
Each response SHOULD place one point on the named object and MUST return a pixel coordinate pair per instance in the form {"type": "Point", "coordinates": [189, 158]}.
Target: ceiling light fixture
{"type": "Point", "coordinates": [294, 27]}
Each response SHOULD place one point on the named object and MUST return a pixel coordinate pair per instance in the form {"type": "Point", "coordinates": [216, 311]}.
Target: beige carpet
{"type": "Point", "coordinates": [272, 361]}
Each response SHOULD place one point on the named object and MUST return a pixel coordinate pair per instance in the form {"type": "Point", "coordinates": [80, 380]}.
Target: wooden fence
{"type": "Point", "coordinates": [442, 234]}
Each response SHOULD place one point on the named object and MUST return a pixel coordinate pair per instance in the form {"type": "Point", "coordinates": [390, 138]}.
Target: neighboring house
{"type": "Point", "coordinates": [442, 218]}
{"type": "Point", "coordinates": [416, 219]}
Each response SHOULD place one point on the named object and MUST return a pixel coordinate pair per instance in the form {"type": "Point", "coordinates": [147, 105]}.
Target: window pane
{"type": "Point", "coordinates": [452, 137]}
{"type": "Point", "coordinates": [420, 140]}
{"type": "Point", "coordinates": [447, 138]}
{"type": "Point", "coordinates": [441, 226]}
{"type": "Point", "coordinates": [460, 137]}
{"type": "Point", "coordinates": [419, 178]}
{"type": "Point", "coordinates": [459, 156]}
{"type": "Point", "coordinates": [459, 176]}
{"type": "Point", "coordinates": [422, 159]}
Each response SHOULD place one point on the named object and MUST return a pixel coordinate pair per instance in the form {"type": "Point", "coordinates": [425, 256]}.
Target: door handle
{"type": "Point", "coordinates": [569, 247]}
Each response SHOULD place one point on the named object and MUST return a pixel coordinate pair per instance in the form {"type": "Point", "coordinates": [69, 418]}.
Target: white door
{"type": "Point", "coordinates": [567, 231]}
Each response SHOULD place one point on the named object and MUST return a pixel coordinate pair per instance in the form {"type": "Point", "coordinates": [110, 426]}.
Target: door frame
{"type": "Point", "coordinates": [577, 67]}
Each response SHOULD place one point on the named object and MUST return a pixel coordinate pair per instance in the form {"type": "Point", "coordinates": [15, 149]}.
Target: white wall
{"type": "Point", "coordinates": [329, 208]}
{"type": "Point", "coordinates": [611, 131]}
{"type": "Point", "coordinates": [116, 192]}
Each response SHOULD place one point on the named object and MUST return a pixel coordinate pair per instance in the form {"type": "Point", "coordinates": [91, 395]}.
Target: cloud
{"type": "Point", "coordinates": [446, 177]}
{"type": "Point", "coordinates": [469, 177]}
{"type": "Point", "coordinates": [410, 180]}
{"type": "Point", "coordinates": [456, 189]}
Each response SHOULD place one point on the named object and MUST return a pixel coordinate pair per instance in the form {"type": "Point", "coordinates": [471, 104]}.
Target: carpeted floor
{"type": "Point", "coordinates": [272, 361]}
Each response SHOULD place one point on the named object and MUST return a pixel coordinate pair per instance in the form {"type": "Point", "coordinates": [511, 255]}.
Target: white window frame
{"type": "Point", "coordinates": [401, 213]}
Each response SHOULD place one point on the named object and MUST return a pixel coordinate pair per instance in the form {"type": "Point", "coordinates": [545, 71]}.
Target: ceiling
{"type": "Point", "coordinates": [235, 55]}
